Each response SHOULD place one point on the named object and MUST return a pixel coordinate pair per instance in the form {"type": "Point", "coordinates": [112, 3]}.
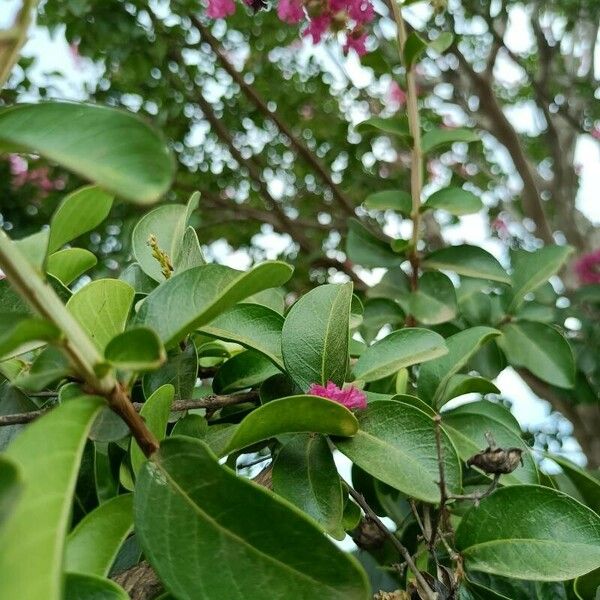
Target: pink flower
{"type": "Point", "coordinates": [356, 42]}
{"type": "Point", "coordinates": [587, 267]}
{"type": "Point", "coordinates": [396, 95]}
{"type": "Point", "coordinates": [290, 11]}
{"type": "Point", "coordinates": [350, 397]}
{"type": "Point", "coordinates": [361, 11]}
{"type": "Point", "coordinates": [218, 9]}
{"type": "Point", "coordinates": [317, 27]}
{"type": "Point", "coordinates": [595, 133]}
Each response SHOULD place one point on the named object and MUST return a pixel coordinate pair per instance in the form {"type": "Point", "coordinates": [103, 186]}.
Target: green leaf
{"type": "Point", "coordinates": [33, 247]}
{"type": "Point", "coordinates": [155, 413]}
{"type": "Point", "coordinates": [394, 125]}
{"type": "Point", "coordinates": [434, 301]}
{"type": "Point", "coordinates": [530, 532]}
{"type": "Point", "coordinates": [94, 543]}
{"type": "Point", "coordinates": [490, 410]}
{"type": "Point", "coordinates": [315, 336]}
{"type": "Point", "coordinates": [533, 269]}
{"type": "Point", "coordinates": [435, 375]}
{"type": "Point", "coordinates": [458, 385]}
{"type": "Point", "coordinates": [48, 367]}
{"type": "Point", "coordinates": [304, 473]}
{"type": "Point", "coordinates": [377, 313]}
{"type": "Point", "coordinates": [180, 520]}
{"type": "Point", "coordinates": [363, 248]}
{"type": "Point", "coordinates": [399, 349]}
{"type": "Point", "coordinates": [540, 349]}
{"type": "Point", "coordinates": [79, 212]}
{"type": "Point", "coordinates": [470, 261]}
{"type": "Point", "coordinates": [442, 42]}
{"type": "Point", "coordinates": [79, 586]}
{"type": "Point", "coordinates": [19, 333]}
{"type": "Point", "coordinates": [244, 370]}
{"type": "Point", "coordinates": [195, 297]}
{"type": "Point", "coordinates": [413, 49]}
{"type": "Point", "coordinates": [68, 264]}
{"type": "Point", "coordinates": [587, 485]}
{"type": "Point", "coordinates": [137, 279]}
{"type": "Point", "coordinates": [137, 349]}
{"type": "Point", "coordinates": [113, 148]}
{"type": "Point", "coordinates": [587, 586]}
{"type": "Point", "coordinates": [180, 370]}
{"type": "Point", "coordinates": [396, 444]}
{"type": "Point", "coordinates": [253, 326]}
{"type": "Point", "coordinates": [437, 138]}
{"type": "Point", "coordinates": [48, 452]}
{"type": "Point", "coordinates": [11, 487]}
{"type": "Point", "coordinates": [102, 308]}
{"type": "Point", "coordinates": [394, 285]}
{"type": "Point", "coordinates": [295, 414]}
{"type": "Point", "coordinates": [397, 200]}
{"type": "Point", "coordinates": [453, 200]}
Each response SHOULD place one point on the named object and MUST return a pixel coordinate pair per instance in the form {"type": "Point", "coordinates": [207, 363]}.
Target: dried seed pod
{"type": "Point", "coordinates": [497, 461]}
{"type": "Point", "coordinates": [367, 535]}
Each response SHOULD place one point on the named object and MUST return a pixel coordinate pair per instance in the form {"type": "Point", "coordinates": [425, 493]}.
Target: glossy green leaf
{"type": "Point", "coordinates": [397, 126]}
{"type": "Point", "coordinates": [377, 313]}
{"type": "Point", "coordinates": [363, 248]}
{"type": "Point", "coordinates": [435, 375]}
{"type": "Point", "coordinates": [393, 285]}
{"type": "Point", "coordinates": [244, 370]}
{"type": "Point", "coordinates": [137, 279]}
{"type": "Point", "coordinates": [79, 586]}
{"type": "Point", "coordinates": [195, 297]}
{"type": "Point", "coordinates": [180, 521]}
{"type": "Point", "coordinates": [94, 543]}
{"type": "Point", "coordinates": [113, 148]}
{"type": "Point", "coordinates": [304, 473]}
{"type": "Point", "coordinates": [137, 349]}
{"type": "Point", "coordinates": [69, 264]}
{"type": "Point", "coordinates": [437, 138]}
{"type": "Point", "coordinates": [585, 483]}
{"type": "Point", "coordinates": [396, 444]}
{"type": "Point", "coordinates": [530, 532]}
{"type": "Point", "coordinates": [315, 336]}
{"type": "Point", "coordinates": [80, 212]}
{"type": "Point", "coordinates": [489, 410]}
{"type": "Point", "coordinates": [399, 349]}
{"type": "Point", "coordinates": [470, 261]}
{"type": "Point", "coordinates": [413, 49]}
{"type": "Point", "coordinates": [102, 308]}
{"type": "Point", "coordinates": [397, 200]}
{"type": "Point", "coordinates": [295, 414]}
{"type": "Point", "coordinates": [587, 586]}
{"type": "Point", "coordinates": [11, 487]}
{"type": "Point", "coordinates": [180, 371]}
{"type": "Point", "coordinates": [434, 301]}
{"type": "Point", "coordinates": [484, 586]}
{"type": "Point", "coordinates": [190, 254]}
{"type": "Point", "coordinates": [533, 269]}
{"type": "Point", "coordinates": [458, 385]}
{"type": "Point", "coordinates": [19, 333]}
{"type": "Point", "coordinates": [541, 349]}
{"type": "Point", "coordinates": [455, 201]}
{"type": "Point", "coordinates": [252, 325]}
{"type": "Point", "coordinates": [48, 452]}
{"type": "Point", "coordinates": [155, 413]}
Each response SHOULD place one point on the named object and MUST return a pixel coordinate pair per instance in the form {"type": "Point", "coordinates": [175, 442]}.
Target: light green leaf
{"type": "Point", "coordinates": [455, 201]}
{"type": "Point", "coordinates": [113, 148]}
{"type": "Point", "coordinates": [470, 261]}
{"type": "Point", "coordinates": [180, 520]}
{"type": "Point", "coordinates": [48, 452]}
{"type": "Point", "coordinates": [458, 385]}
{"type": "Point", "coordinates": [304, 473]}
{"type": "Point", "coordinates": [435, 375]}
{"type": "Point", "coordinates": [48, 367]}
{"type": "Point", "coordinates": [399, 349]}
{"type": "Point", "coordinates": [11, 487]}
{"type": "Point", "coordinates": [295, 414]}
{"type": "Point", "coordinates": [68, 264]}
{"type": "Point", "coordinates": [397, 200]}
{"type": "Point", "coordinates": [79, 586]}
{"type": "Point", "coordinates": [180, 370]}
{"type": "Point", "coordinates": [533, 269]}
{"type": "Point", "coordinates": [190, 254]}
{"type": "Point", "coordinates": [530, 532]}
{"type": "Point", "coordinates": [315, 336]}
{"type": "Point", "coordinates": [155, 413]}
{"type": "Point", "coordinates": [137, 279]}
{"type": "Point", "coordinates": [33, 247]}
{"type": "Point", "coordinates": [436, 138]}
{"type": "Point", "coordinates": [195, 297]}
{"type": "Point", "coordinates": [397, 126]}
{"type": "Point", "coordinates": [442, 42]}
{"type": "Point", "coordinates": [18, 333]}
{"type": "Point", "coordinates": [79, 212]}
{"type": "Point", "coordinates": [244, 370]}
{"type": "Point", "coordinates": [540, 349]}
{"type": "Point", "coordinates": [585, 483]}
{"type": "Point", "coordinates": [413, 49]}
{"type": "Point", "coordinates": [363, 248]}
{"type": "Point", "coordinates": [137, 349]}
{"type": "Point", "coordinates": [396, 444]}
{"type": "Point", "coordinates": [393, 285]}
{"type": "Point", "coordinates": [434, 301]}
{"type": "Point", "coordinates": [252, 325]}
{"type": "Point", "coordinates": [102, 308]}
{"type": "Point", "coordinates": [94, 543]}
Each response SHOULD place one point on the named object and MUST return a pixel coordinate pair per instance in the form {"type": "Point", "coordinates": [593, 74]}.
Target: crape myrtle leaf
{"type": "Point", "coordinates": [363, 248]}
{"type": "Point", "coordinates": [155, 413]}
{"type": "Point", "coordinates": [453, 200]}
{"type": "Point", "coordinates": [541, 349]}
{"type": "Point", "coordinates": [19, 332]}
{"type": "Point", "coordinates": [413, 49]}
{"type": "Point", "coordinates": [69, 264]}
{"type": "Point", "coordinates": [458, 385]}
{"type": "Point", "coordinates": [180, 371]}
{"type": "Point", "coordinates": [180, 521]}
{"type": "Point", "coordinates": [442, 42]}
{"type": "Point", "coordinates": [397, 200]}
{"type": "Point", "coordinates": [11, 487]}
{"type": "Point", "coordinates": [295, 414]}
{"type": "Point", "coordinates": [195, 297]}
{"type": "Point", "coordinates": [399, 349]}
{"type": "Point", "coordinates": [137, 279]}
{"type": "Point", "coordinates": [102, 308]}
{"type": "Point", "coordinates": [397, 126]}
{"type": "Point", "coordinates": [434, 301]}
{"type": "Point", "coordinates": [470, 261]}
{"type": "Point", "coordinates": [377, 313]}
{"type": "Point", "coordinates": [244, 370]}
{"type": "Point", "coordinates": [587, 586]}
{"type": "Point", "coordinates": [435, 375]}
{"type": "Point", "coordinates": [253, 326]}
{"type": "Point", "coordinates": [137, 349]}
{"type": "Point", "coordinates": [48, 367]}
{"type": "Point", "coordinates": [190, 254]}
{"type": "Point", "coordinates": [79, 212]}
{"type": "Point", "coordinates": [490, 587]}
{"type": "Point", "coordinates": [272, 298]}
{"type": "Point", "coordinates": [113, 148]}
{"type": "Point", "coordinates": [491, 410]}
{"type": "Point", "coordinates": [81, 586]}
{"type": "Point", "coordinates": [396, 444]}
{"type": "Point", "coordinates": [393, 285]}
{"type": "Point", "coordinates": [530, 532]}
{"type": "Point", "coordinates": [33, 247]}
{"type": "Point", "coordinates": [192, 425]}
{"type": "Point", "coordinates": [94, 543]}
{"type": "Point", "coordinates": [315, 336]}
{"type": "Point", "coordinates": [13, 401]}
{"type": "Point", "coordinates": [304, 473]}
{"type": "Point", "coordinates": [438, 138]}
{"type": "Point", "coordinates": [585, 483]}
{"type": "Point", "coordinates": [48, 453]}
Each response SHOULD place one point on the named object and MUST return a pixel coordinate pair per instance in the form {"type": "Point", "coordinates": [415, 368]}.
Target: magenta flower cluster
{"type": "Point", "coordinates": [587, 267]}
{"type": "Point", "coordinates": [319, 17]}
{"type": "Point", "coordinates": [39, 177]}
{"type": "Point", "coordinates": [350, 397]}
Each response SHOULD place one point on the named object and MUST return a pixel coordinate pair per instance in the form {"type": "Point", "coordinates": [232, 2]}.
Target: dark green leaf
{"type": "Point", "coordinates": [137, 349]}
{"type": "Point", "coordinates": [397, 200]}
{"type": "Point", "coordinates": [397, 126]}
{"type": "Point", "coordinates": [470, 261]}
{"type": "Point", "coordinates": [180, 371]}
{"type": "Point", "coordinates": [413, 49]}
{"type": "Point", "coordinates": [458, 385]}
{"type": "Point", "coordinates": [363, 248]}
{"type": "Point", "coordinates": [79, 586]}
{"type": "Point", "coordinates": [585, 483]}
{"type": "Point", "coordinates": [434, 301]}
{"type": "Point", "coordinates": [454, 200]}
{"type": "Point", "coordinates": [437, 138]}
{"type": "Point", "coordinates": [244, 370]}
{"type": "Point", "coordinates": [19, 333]}
{"type": "Point", "coordinates": [11, 487]}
